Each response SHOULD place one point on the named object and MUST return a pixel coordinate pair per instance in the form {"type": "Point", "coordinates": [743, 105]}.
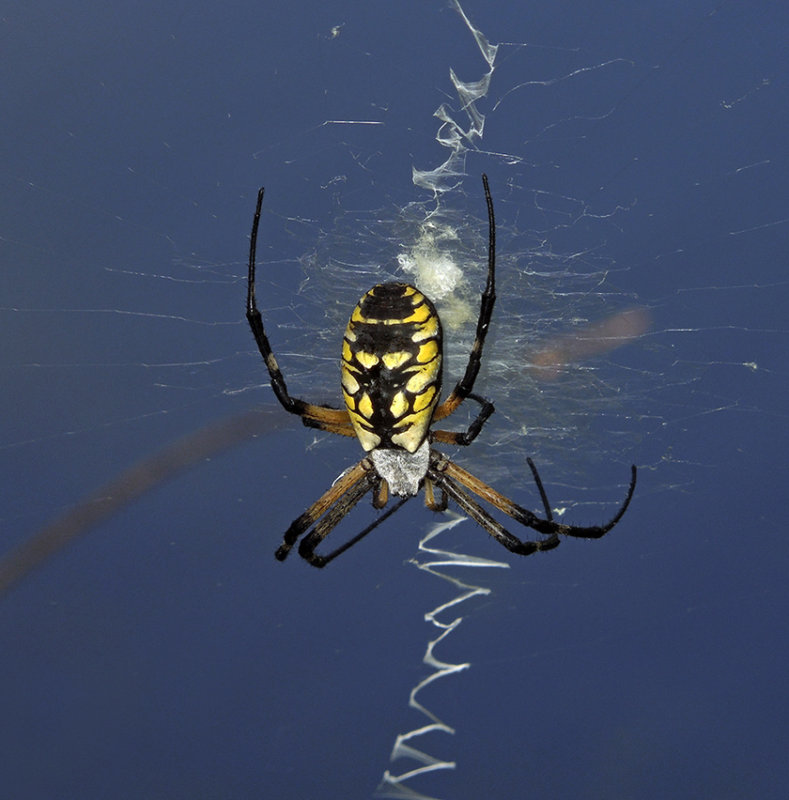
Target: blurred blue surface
{"type": "Point", "coordinates": [166, 654]}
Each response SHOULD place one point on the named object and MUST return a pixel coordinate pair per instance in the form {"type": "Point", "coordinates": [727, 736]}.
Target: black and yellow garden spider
{"type": "Point", "coordinates": [391, 382]}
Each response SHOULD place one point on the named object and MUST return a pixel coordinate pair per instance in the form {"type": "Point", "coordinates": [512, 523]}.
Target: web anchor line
{"type": "Point", "coordinates": [394, 785]}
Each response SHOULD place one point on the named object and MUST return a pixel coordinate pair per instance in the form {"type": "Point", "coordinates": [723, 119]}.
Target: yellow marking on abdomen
{"type": "Point", "coordinates": [367, 360]}
{"type": "Point", "coordinates": [399, 405]}
{"type": "Point", "coordinates": [396, 359]}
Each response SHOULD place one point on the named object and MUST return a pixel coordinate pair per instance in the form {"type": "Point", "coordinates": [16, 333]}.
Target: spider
{"type": "Point", "coordinates": [391, 382]}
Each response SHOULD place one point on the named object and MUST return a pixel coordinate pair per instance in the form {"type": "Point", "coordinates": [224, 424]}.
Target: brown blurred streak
{"type": "Point", "coordinates": [131, 484]}
{"type": "Point", "coordinates": [593, 339]}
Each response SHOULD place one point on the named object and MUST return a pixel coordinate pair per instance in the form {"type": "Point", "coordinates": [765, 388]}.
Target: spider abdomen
{"type": "Point", "coordinates": [391, 367]}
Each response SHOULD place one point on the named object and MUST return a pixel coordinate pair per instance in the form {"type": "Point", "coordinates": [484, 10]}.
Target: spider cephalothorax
{"type": "Point", "coordinates": [391, 382]}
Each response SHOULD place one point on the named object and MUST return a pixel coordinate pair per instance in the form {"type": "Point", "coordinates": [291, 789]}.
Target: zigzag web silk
{"type": "Point", "coordinates": [458, 140]}
{"type": "Point", "coordinates": [431, 560]}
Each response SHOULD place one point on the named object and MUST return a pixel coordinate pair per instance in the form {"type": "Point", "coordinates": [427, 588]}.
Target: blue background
{"type": "Point", "coordinates": [165, 654]}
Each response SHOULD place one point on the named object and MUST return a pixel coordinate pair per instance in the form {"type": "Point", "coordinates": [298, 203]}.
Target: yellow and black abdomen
{"type": "Point", "coordinates": [391, 367]}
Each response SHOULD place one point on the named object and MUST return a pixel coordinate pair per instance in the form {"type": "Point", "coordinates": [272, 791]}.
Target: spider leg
{"type": "Point", "coordinates": [596, 531]}
{"type": "Point", "coordinates": [466, 437]}
{"type": "Point", "coordinates": [341, 496]}
{"type": "Point", "coordinates": [588, 531]}
{"type": "Point", "coordinates": [465, 385]}
{"type": "Point", "coordinates": [343, 429]}
{"type": "Point", "coordinates": [544, 497]}
{"type": "Point", "coordinates": [324, 527]}
{"type": "Point", "coordinates": [328, 511]}
{"type": "Point", "coordinates": [430, 497]}
{"type": "Point", "coordinates": [441, 465]}
{"type": "Point", "coordinates": [309, 412]}
{"type": "Point", "coordinates": [485, 520]}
